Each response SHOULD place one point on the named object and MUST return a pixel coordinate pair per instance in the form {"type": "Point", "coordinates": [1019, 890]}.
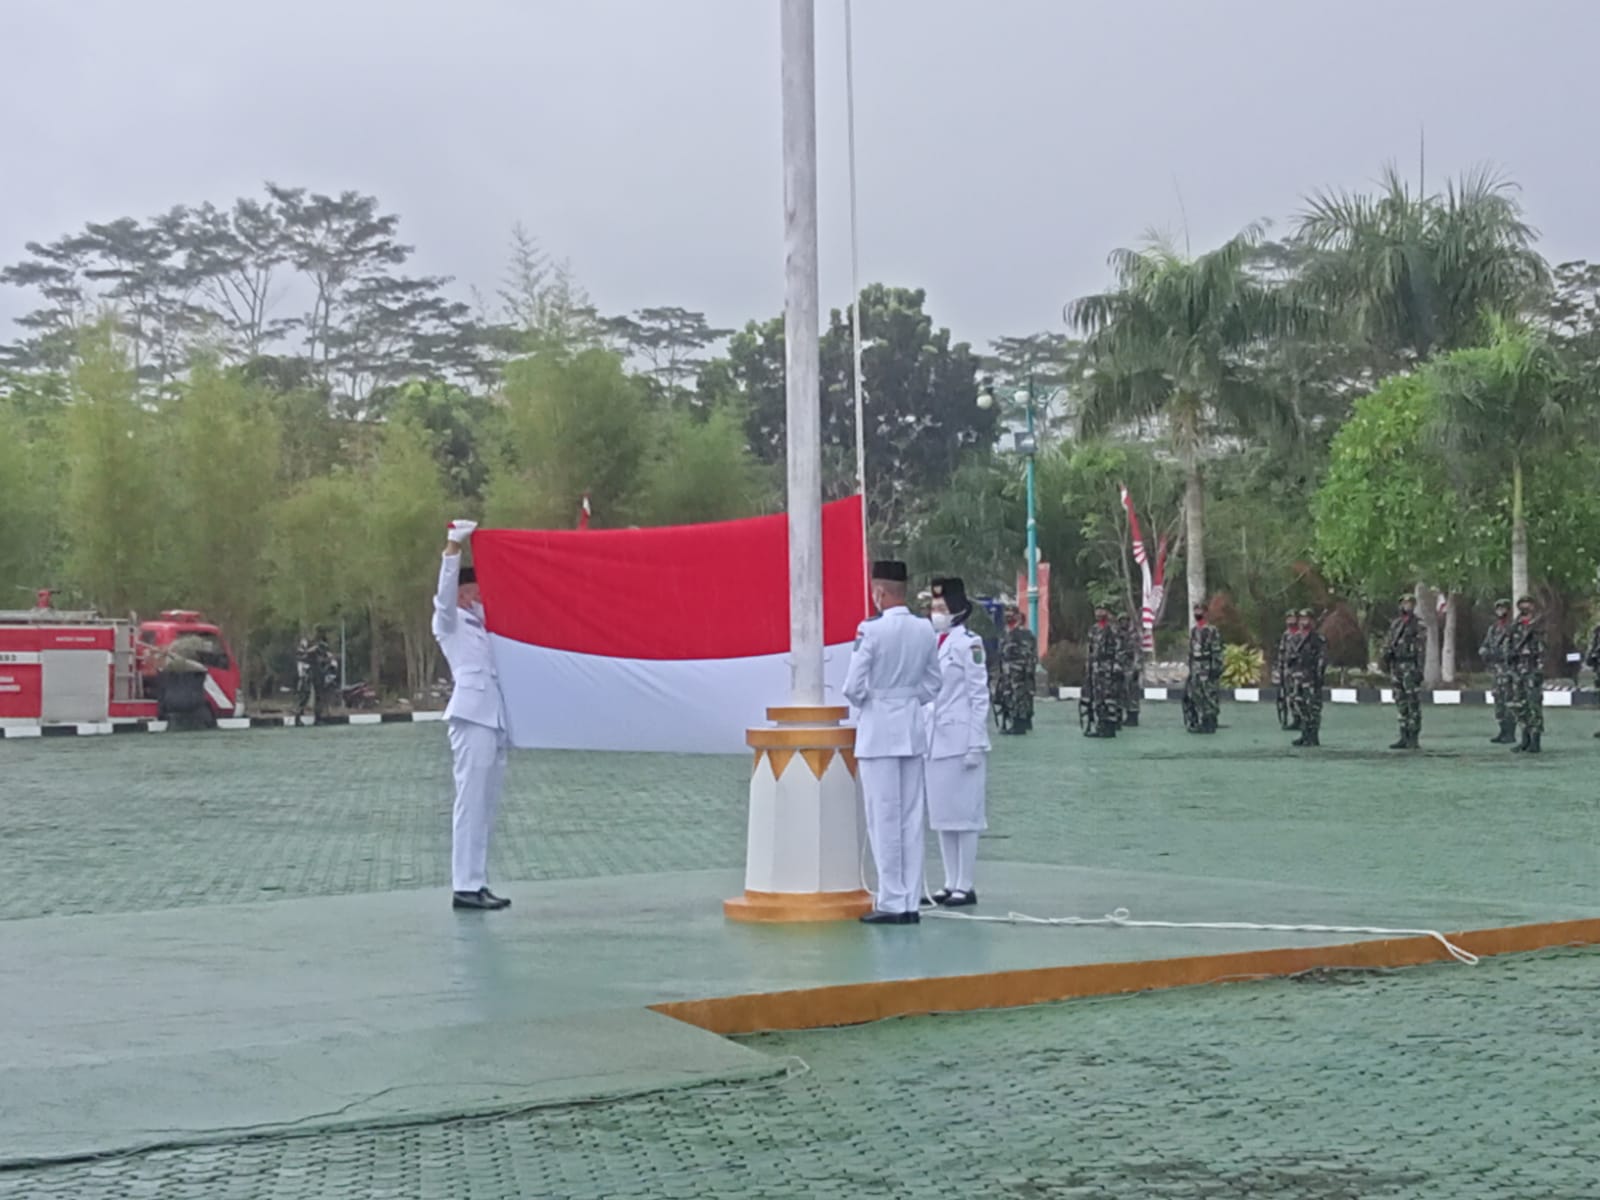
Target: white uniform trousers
{"type": "Point", "coordinates": [956, 794]}
{"type": "Point", "coordinates": [956, 811]}
{"type": "Point", "coordinates": [479, 752]}
{"type": "Point", "coordinates": [892, 791]}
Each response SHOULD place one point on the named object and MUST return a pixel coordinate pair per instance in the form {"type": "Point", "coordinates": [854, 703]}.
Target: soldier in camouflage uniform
{"type": "Point", "coordinates": [1205, 671]}
{"type": "Point", "coordinates": [1308, 664]}
{"type": "Point", "coordinates": [313, 660]}
{"type": "Point", "coordinates": [1402, 658]}
{"type": "Point", "coordinates": [1593, 658]}
{"type": "Point", "coordinates": [1132, 672]}
{"type": "Point", "coordinates": [1494, 655]}
{"type": "Point", "coordinates": [1525, 649]}
{"type": "Point", "coordinates": [1280, 670]}
{"type": "Point", "coordinates": [1019, 659]}
{"type": "Point", "coordinates": [1103, 675]}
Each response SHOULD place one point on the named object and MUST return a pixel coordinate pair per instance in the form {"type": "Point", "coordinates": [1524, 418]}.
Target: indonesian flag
{"type": "Point", "coordinates": [1153, 590]}
{"type": "Point", "coordinates": [671, 639]}
{"type": "Point", "coordinates": [583, 513]}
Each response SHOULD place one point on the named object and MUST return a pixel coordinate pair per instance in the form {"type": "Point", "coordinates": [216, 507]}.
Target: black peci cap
{"type": "Point", "coordinates": [953, 591]}
{"type": "Point", "coordinates": [890, 571]}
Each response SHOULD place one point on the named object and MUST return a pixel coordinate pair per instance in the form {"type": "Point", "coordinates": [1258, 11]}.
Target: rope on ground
{"type": "Point", "coordinates": [1120, 918]}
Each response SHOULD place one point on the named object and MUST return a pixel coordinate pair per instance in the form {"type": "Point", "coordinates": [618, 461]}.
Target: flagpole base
{"type": "Point", "coordinates": [803, 854]}
{"type": "Point", "coordinates": [798, 906]}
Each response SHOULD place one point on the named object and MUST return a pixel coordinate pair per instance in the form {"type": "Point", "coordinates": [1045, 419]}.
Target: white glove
{"type": "Point", "coordinates": [973, 760]}
{"type": "Point", "coordinates": [460, 531]}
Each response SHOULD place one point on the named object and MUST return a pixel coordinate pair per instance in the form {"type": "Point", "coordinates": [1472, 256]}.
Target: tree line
{"type": "Point", "coordinates": [258, 410]}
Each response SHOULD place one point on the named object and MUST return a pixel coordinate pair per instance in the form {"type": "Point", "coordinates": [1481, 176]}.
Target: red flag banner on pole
{"type": "Point", "coordinates": [583, 513]}
{"type": "Point", "coordinates": [667, 639]}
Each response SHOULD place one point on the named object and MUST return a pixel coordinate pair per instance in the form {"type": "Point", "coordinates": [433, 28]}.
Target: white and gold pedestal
{"type": "Point", "coordinates": [803, 857]}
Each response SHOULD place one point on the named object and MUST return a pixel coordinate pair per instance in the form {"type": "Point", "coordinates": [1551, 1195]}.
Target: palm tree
{"type": "Point", "coordinates": [1411, 275]}
{"type": "Point", "coordinates": [1500, 406]}
{"type": "Point", "coordinates": [1173, 344]}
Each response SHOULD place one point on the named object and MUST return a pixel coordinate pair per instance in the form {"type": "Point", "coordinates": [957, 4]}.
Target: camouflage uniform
{"type": "Point", "coordinates": [312, 662]}
{"type": "Point", "coordinates": [1132, 672]}
{"type": "Point", "coordinates": [1104, 679]}
{"type": "Point", "coordinates": [1280, 669]}
{"type": "Point", "coordinates": [1308, 664]}
{"type": "Point", "coordinates": [1019, 658]}
{"type": "Point", "coordinates": [1525, 649]}
{"type": "Point", "coordinates": [1402, 658]}
{"type": "Point", "coordinates": [1496, 659]}
{"type": "Point", "coordinates": [1205, 670]}
{"type": "Point", "coordinates": [1593, 657]}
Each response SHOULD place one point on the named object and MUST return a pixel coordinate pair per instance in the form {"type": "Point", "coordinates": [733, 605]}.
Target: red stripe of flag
{"type": "Point", "coordinates": [679, 592]}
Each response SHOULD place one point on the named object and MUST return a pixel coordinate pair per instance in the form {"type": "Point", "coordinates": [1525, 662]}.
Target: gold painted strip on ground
{"type": "Point", "coordinates": [858, 1003]}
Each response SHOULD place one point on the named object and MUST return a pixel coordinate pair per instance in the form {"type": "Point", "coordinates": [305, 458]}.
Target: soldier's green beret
{"type": "Point", "coordinates": [1525, 600]}
{"type": "Point", "coordinates": [1502, 604]}
{"type": "Point", "coordinates": [1305, 612]}
{"type": "Point", "coordinates": [1291, 613]}
{"type": "Point", "coordinates": [1407, 596]}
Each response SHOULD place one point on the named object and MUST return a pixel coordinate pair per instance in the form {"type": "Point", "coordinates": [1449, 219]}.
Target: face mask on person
{"type": "Point", "coordinates": [941, 622]}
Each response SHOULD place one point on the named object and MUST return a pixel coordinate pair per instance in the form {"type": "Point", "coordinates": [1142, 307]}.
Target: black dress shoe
{"type": "Point", "coordinates": [495, 901]}
{"type": "Point", "coordinates": [960, 899]}
{"type": "Point", "coordinates": [888, 918]}
{"type": "Point", "coordinates": [483, 899]}
{"type": "Point", "coordinates": [939, 897]}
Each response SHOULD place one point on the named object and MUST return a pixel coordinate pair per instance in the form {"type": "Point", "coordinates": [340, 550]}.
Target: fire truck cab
{"type": "Point", "coordinates": [187, 666]}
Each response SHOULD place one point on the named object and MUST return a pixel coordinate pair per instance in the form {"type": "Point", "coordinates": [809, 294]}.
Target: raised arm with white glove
{"type": "Point", "coordinates": [458, 532]}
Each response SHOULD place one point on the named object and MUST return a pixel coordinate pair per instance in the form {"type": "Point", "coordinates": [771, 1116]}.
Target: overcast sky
{"type": "Point", "coordinates": [1004, 146]}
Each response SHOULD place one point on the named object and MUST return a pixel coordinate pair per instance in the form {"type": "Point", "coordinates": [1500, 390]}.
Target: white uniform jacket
{"type": "Point", "coordinates": [894, 671]}
{"type": "Point", "coordinates": [465, 642]}
{"type": "Point", "coordinates": [960, 714]}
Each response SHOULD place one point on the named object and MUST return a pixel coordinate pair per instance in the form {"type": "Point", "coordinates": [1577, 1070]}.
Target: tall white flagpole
{"type": "Point", "coordinates": [802, 392]}
{"type": "Point", "coordinates": [855, 271]}
{"type": "Point", "coordinates": [806, 834]}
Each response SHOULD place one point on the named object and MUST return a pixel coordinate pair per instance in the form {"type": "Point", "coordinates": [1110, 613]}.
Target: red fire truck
{"type": "Point", "coordinates": [185, 633]}
{"type": "Point", "coordinates": [60, 667]}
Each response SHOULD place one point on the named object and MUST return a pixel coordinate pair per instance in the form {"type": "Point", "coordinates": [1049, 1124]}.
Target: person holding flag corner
{"type": "Point", "coordinates": [477, 724]}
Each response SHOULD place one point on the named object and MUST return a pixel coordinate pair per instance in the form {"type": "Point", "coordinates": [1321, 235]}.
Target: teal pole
{"type": "Point", "coordinates": [1033, 533]}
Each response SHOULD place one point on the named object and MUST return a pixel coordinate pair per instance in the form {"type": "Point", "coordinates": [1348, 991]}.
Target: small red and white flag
{"type": "Point", "coordinates": [1152, 591]}
{"type": "Point", "coordinates": [583, 513]}
{"type": "Point", "coordinates": [672, 639]}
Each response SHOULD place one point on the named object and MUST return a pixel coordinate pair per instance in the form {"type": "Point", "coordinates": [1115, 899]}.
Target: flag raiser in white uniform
{"type": "Point", "coordinates": [893, 673]}
{"type": "Point", "coordinates": [957, 771]}
{"type": "Point", "coordinates": [477, 724]}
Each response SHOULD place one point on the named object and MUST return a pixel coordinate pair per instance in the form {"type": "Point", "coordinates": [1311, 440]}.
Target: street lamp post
{"type": "Point", "coordinates": [1028, 444]}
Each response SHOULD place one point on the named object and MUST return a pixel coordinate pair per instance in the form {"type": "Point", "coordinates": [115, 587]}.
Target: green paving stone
{"type": "Point", "coordinates": [176, 820]}
{"type": "Point", "coordinates": [245, 1019]}
{"type": "Point", "coordinates": [1451, 1081]}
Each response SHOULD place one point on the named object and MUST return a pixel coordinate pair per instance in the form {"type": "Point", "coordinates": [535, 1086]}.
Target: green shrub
{"type": "Point", "coordinates": [1242, 666]}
